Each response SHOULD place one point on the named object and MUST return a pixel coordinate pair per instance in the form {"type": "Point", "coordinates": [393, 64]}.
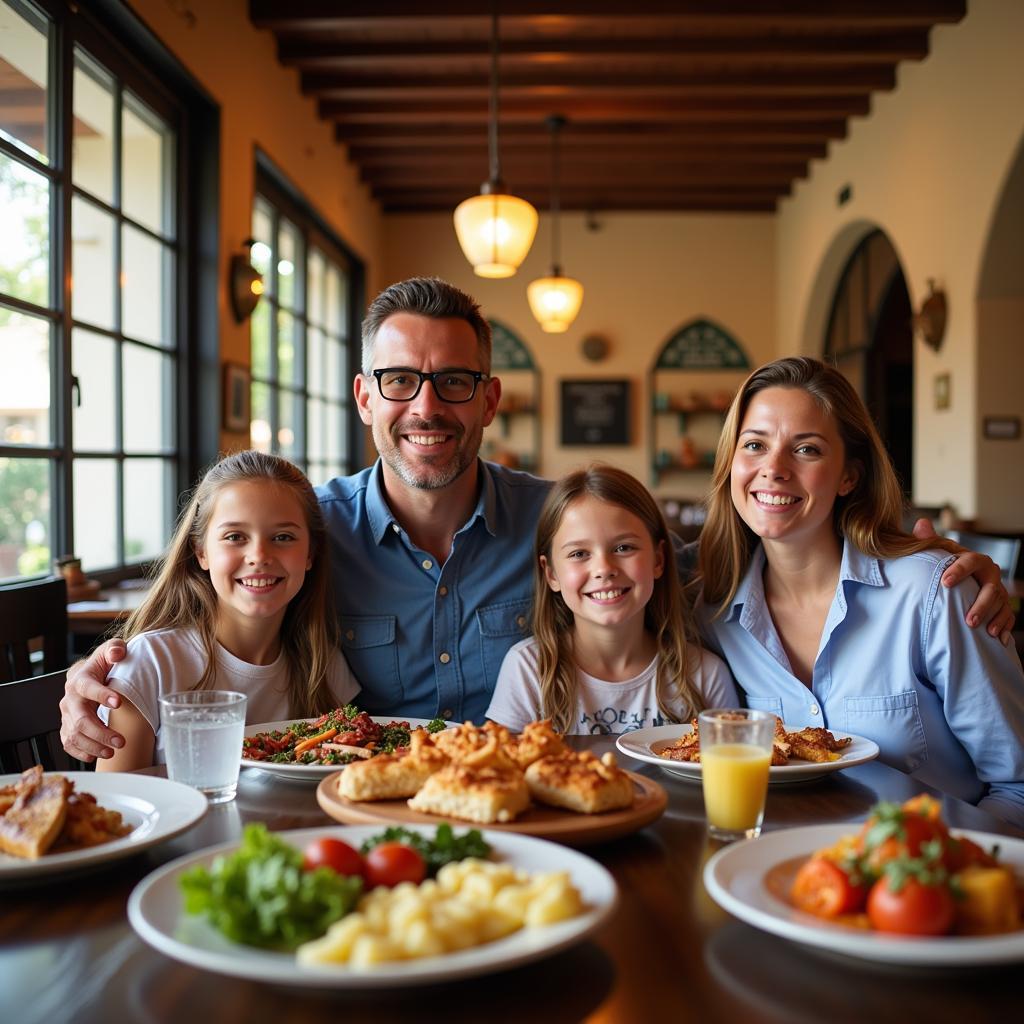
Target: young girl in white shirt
{"type": "Point", "coordinates": [240, 602]}
{"type": "Point", "coordinates": [612, 650]}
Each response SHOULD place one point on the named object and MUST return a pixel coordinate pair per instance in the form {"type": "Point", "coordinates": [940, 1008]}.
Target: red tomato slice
{"type": "Point", "coordinates": [391, 863]}
{"type": "Point", "coordinates": [916, 909]}
{"type": "Point", "coordinates": [334, 854]}
{"type": "Point", "coordinates": [823, 888]}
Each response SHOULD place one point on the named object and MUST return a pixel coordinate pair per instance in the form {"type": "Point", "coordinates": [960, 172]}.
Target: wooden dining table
{"type": "Point", "coordinates": [669, 953]}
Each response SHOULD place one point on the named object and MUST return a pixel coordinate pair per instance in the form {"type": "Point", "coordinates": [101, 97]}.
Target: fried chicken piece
{"type": "Point", "coordinates": [686, 748]}
{"type": "Point", "coordinates": [816, 744]}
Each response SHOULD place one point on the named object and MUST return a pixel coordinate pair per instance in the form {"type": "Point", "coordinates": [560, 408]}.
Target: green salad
{"type": "Point", "coordinates": [261, 896]}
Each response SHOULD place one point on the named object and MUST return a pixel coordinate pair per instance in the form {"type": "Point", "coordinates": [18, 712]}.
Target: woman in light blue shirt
{"type": "Point", "coordinates": [830, 615]}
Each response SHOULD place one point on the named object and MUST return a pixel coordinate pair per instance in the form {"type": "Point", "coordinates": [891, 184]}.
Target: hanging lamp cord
{"type": "Point", "coordinates": [492, 129]}
{"type": "Point", "coordinates": [555, 123]}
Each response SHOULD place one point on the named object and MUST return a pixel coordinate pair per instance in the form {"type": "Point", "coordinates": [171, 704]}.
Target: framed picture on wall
{"type": "Point", "coordinates": [236, 402]}
{"type": "Point", "coordinates": [595, 412]}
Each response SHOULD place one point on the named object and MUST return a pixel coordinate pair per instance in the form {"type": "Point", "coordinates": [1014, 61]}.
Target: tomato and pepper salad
{"type": "Point", "coordinates": [323, 740]}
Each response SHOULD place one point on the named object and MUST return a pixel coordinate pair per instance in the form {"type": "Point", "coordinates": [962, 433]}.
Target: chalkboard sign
{"type": "Point", "coordinates": [595, 412]}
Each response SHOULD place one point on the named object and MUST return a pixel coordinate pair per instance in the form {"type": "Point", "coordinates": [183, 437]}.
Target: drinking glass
{"type": "Point", "coordinates": [735, 754]}
{"type": "Point", "coordinates": [202, 732]}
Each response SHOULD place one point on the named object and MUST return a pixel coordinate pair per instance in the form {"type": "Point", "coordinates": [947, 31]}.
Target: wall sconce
{"type": "Point", "coordinates": [930, 323]}
{"type": "Point", "coordinates": [246, 283]}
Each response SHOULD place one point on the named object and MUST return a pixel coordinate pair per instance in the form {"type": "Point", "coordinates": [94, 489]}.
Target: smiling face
{"type": "Point", "coordinates": [426, 443]}
{"type": "Point", "coordinates": [257, 551]}
{"type": "Point", "coordinates": [604, 563]}
{"type": "Point", "coordinates": [788, 468]}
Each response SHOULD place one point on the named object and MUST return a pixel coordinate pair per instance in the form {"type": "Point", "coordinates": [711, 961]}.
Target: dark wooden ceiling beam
{"type": "Point", "coordinates": [788, 49]}
{"type": "Point", "coordinates": [814, 130]}
{"type": "Point", "coordinates": [465, 87]}
{"type": "Point", "coordinates": [610, 108]}
{"type": "Point", "coordinates": [329, 15]}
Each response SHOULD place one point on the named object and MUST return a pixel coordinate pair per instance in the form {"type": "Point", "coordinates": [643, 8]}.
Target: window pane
{"type": "Point", "coordinates": [259, 429]}
{"type": "Point", "coordinates": [92, 264]}
{"type": "Point", "coordinates": [95, 513]}
{"type": "Point", "coordinates": [24, 232]}
{"type": "Point", "coordinates": [333, 356]}
{"type": "Point", "coordinates": [92, 145]}
{"type": "Point", "coordinates": [336, 301]}
{"type": "Point", "coordinates": [93, 413]}
{"type": "Point", "coordinates": [23, 80]}
{"type": "Point", "coordinates": [317, 425]}
{"type": "Point", "coordinates": [259, 340]}
{"type": "Point", "coordinates": [148, 400]}
{"type": "Point", "coordinates": [148, 285]}
{"type": "Point", "coordinates": [289, 335]}
{"type": "Point", "coordinates": [146, 167]}
{"type": "Point", "coordinates": [25, 379]}
{"type": "Point", "coordinates": [289, 262]}
{"type": "Point", "coordinates": [263, 232]}
{"type": "Point", "coordinates": [147, 487]}
{"type": "Point", "coordinates": [315, 362]}
{"type": "Point", "coordinates": [334, 437]}
{"type": "Point", "coordinates": [289, 429]}
{"type": "Point", "coordinates": [315, 288]}
{"type": "Point", "coordinates": [25, 528]}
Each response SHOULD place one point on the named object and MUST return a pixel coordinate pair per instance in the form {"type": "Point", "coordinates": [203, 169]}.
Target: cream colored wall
{"type": "Point", "coordinates": [262, 106]}
{"type": "Point", "coordinates": [644, 276]}
{"type": "Point", "coordinates": [927, 166]}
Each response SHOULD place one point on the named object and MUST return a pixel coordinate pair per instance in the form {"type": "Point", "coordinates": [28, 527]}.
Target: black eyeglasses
{"type": "Point", "coordinates": [398, 384]}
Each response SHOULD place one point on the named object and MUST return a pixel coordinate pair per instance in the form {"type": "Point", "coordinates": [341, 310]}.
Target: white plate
{"type": "Point", "coordinates": [156, 912]}
{"type": "Point", "coordinates": [311, 771]}
{"type": "Point", "coordinates": [736, 877]}
{"type": "Point", "coordinates": [644, 744]}
{"type": "Point", "coordinates": [157, 809]}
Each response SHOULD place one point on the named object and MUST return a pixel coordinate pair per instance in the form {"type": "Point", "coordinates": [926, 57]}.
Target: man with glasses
{"type": "Point", "coordinates": [432, 548]}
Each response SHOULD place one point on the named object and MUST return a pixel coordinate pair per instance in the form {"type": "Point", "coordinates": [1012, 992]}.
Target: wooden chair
{"type": "Point", "coordinates": [30, 725]}
{"type": "Point", "coordinates": [31, 611]}
{"type": "Point", "coordinates": [1004, 551]}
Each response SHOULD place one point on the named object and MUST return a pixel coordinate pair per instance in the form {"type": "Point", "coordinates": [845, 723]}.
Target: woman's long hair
{"type": "Point", "coordinates": [182, 596]}
{"type": "Point", "coordinates": [870, 517]}
{"type": "Point", "coordinates": [666, 615]}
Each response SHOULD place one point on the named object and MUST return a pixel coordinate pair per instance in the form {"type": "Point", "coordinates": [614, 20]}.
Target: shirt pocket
{"type": "Point", "coordinates": [372, 653]}
{"type": "Point", "coordinates": [501, 626]}
{"type": "Point", "coordinates": [894, 722]}
{"type": "Point", "coordinates": [772, 704]}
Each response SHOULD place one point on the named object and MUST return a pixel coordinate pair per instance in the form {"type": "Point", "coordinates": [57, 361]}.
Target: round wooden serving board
{"type": "Point", "coordinates": [545, 822]}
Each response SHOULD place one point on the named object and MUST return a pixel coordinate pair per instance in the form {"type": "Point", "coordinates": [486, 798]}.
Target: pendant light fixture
{"type": "Point", "coordinates": [555, 300]}
{"type": "Point", "coordinates": [495, 229]}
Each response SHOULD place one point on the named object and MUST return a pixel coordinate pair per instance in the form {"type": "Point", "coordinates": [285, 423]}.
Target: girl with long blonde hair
{"type": "Point", "coordinates": [240, 601]}
{"type": "Point", "coordinates": [829, 614]}
{"type": "Point", "coordinates": [612, 649]}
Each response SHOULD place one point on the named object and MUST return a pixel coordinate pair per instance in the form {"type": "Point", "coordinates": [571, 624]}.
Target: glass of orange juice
{"type": "Point", "coordinates": [735, 754]}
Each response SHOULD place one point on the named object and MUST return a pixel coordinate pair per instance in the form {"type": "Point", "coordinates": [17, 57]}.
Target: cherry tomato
{"type": "Point", "coordinates": [823, 888]}
{"type": "Point", "coordinates": [334, 854]}
{"type": "Point", "coordinates": [391, 863]}
{"type": "Point", "coordinates": [916, 909]}
{"type": "Point", "coordinates": [962, 852]}
{"type": "Point", "coordinates": [914, 830]}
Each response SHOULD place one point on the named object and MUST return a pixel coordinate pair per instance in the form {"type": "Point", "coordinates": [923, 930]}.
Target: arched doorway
{"type": "Point", "coordinates": [870, 339]}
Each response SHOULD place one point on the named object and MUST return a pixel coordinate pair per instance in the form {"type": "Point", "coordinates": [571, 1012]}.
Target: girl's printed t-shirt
{"type": "Point", "coordinates": [169, 660]}
{"type": "Point", "coordinates": [603, 707]}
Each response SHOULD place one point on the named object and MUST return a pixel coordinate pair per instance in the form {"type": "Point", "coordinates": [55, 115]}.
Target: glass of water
{"type": "Point", "coordinates": [202, 737]}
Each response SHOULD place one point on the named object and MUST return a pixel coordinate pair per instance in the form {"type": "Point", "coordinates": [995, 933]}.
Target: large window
{"type": "Point", "coordinates": [91, 272]}
{"type": "Point", "coordinates": [302, 336]}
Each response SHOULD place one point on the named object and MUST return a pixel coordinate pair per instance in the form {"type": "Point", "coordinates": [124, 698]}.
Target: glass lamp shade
{"type": "Point", "coordinates": [554, 302]}
{"type": "Point", "coordinates": [495, 230]}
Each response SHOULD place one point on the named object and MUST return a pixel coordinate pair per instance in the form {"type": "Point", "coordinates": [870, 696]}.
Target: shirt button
{"type": "Point", "coordinates": [443, 591]}
{"type": "Point", "coordinates": [350, 634]}
{"type": "Point", "coordinates": [396, 528]}
{"type": "Point", "coordinates": [427, 563]}
{"type": "Point", "coordinates": [521, 621]}
{"type": "Point", "coordinates": [447, 714]}
{"type": "Point", "coordinates": [445, 658]}
{"type": "Point", "coordinates": [814, 709]}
